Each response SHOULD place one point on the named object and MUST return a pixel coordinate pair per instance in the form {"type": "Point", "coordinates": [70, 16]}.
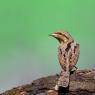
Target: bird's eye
{"type": "Point", "coordinates": [58, 33]}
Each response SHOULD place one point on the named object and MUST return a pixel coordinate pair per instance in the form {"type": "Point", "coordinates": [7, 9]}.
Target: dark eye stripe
{"type": "Point", "coordinates": [58, 33]}
{"type": "Point", "coordinates": [61, 34]}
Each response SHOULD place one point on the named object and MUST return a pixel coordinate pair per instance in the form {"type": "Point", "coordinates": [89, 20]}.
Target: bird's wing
{"type": "Point", "coordinates": [62, 57]}
{"type": "Point", "coordinates": [74, 55]}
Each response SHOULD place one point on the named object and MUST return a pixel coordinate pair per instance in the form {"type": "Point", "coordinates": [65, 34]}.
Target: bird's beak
{"type": "Point", "coordinates": [53, 35]}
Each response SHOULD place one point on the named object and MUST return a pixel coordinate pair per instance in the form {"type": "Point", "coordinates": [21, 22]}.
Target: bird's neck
{"type": "Point", "coordinates": [62, 43]}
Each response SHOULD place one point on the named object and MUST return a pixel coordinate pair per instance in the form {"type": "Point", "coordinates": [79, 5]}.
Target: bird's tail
{"type": "Point", "coordinates": [64, 79]}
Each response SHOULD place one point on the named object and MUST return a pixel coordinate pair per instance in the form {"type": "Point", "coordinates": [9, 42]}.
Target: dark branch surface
{"type": "Point", "coordinates": [81, 83]}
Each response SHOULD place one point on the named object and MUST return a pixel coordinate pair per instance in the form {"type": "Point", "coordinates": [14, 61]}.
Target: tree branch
{"type": "Point", "coordinates": [81, 83]}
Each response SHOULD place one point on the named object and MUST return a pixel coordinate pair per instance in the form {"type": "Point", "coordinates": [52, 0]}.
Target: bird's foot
{"type": "Point", "coordinates": [73, 70]}
{"type": "Point", "coordinates": [75, 67]}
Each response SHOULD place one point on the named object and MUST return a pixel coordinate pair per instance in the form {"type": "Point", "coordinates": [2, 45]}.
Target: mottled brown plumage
{"type": "Point", "coordinates": [68, 54]}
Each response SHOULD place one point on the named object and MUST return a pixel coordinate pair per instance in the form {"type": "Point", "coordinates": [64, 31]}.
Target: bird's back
{"type": "Point", "coordinates": [68, 53]}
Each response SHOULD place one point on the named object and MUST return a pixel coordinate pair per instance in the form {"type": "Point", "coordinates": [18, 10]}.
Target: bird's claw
{"type": "Point", "coordinates": [73, 70]}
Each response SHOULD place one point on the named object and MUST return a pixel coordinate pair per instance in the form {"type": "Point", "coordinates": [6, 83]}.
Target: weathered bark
{"type": "Point", "coordinates": [81, 83]}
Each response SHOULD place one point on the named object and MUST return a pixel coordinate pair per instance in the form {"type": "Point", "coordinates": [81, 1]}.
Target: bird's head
{"type": "Point", "coordinates": [62, 36]}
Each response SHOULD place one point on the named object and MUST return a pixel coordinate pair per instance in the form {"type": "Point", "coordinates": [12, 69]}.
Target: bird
{"type": "Point", "coordinates": [68, 55]}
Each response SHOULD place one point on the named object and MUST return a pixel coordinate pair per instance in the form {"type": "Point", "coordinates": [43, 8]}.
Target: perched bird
{"type": "Point", "coordinates": [68, 54]}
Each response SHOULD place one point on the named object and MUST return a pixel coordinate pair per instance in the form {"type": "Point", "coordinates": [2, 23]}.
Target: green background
{"type": "Point", "coordinates": [26, 50]}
